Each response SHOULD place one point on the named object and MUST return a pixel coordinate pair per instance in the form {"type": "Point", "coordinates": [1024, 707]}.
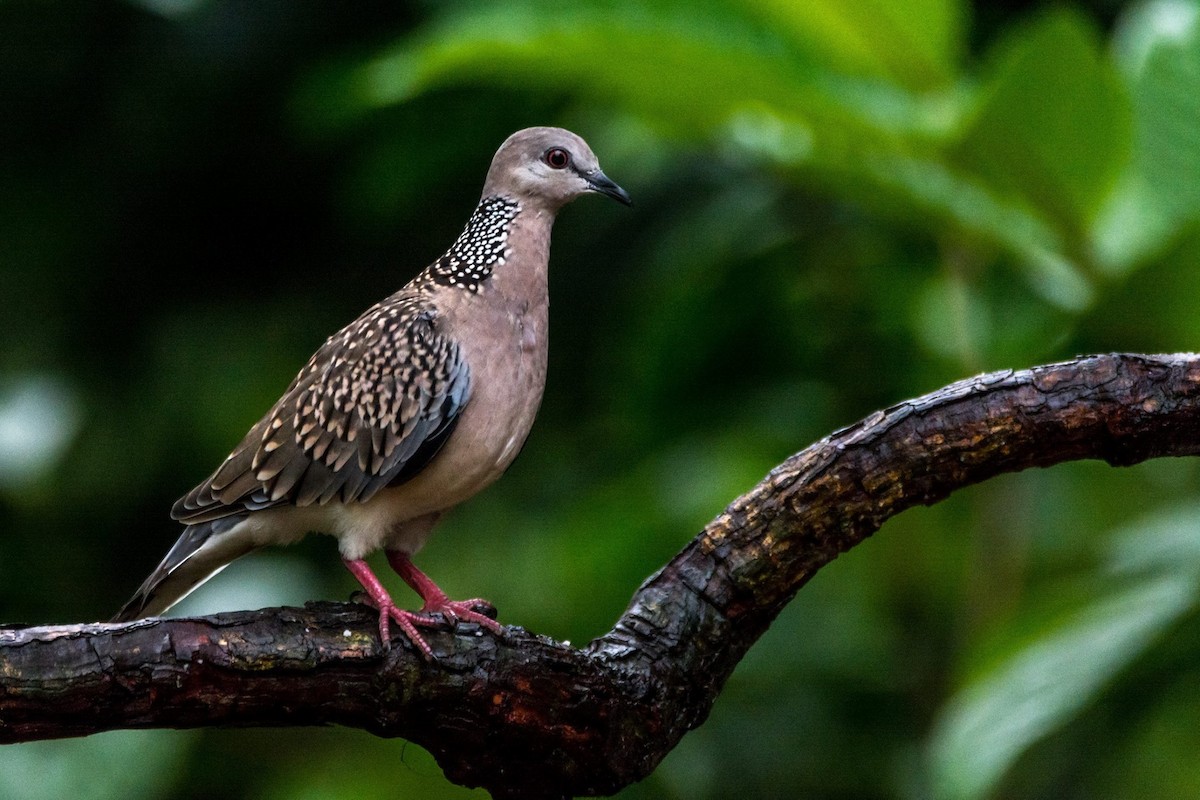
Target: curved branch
{"type": "Point", "coordinates": [527, 716]}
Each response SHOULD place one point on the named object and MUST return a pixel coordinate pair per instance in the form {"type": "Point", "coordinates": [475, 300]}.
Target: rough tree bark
{"type": "Point", "coordinates": [527, 716]}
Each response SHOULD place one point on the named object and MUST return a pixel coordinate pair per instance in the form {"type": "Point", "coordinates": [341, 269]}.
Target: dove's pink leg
{"type": "Point", "coordinates": [436, 601]}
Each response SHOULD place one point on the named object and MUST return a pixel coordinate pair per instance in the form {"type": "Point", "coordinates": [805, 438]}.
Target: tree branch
{"type": "Point", "coordinates": [527, 716]}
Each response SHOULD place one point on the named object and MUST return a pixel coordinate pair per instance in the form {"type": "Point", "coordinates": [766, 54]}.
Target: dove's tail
{"type": "Point", "coordinates": [201, 552]}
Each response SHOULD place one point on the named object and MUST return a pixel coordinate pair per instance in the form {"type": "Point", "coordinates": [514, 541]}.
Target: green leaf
{"type": "Point", "coordinates": [1053, 124]}
{"type": "Point", "coordinates": [1046, 682]}
{"type": "Point", "coordinates": [974, 208]}
{"type": "Point", "coordinates": [681, 70]}
{"type": "Point", "coordinates": [686, 73]}
{"type": "Point", "coordinates": [915, 43]}
{"type": "Point", "coordinates": [808, 92]}
{"type": "Point", "coordinates": [1168, 541]}
{"type": "Point", "coordinates": [1158, 51]}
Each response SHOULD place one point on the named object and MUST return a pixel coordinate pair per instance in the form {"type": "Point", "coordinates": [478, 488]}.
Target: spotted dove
{"type": "Point", "coordinates": [406, 412]}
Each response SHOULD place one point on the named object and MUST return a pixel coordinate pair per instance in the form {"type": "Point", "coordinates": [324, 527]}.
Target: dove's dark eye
{"type": "Point", "coordinates": [557, 158]}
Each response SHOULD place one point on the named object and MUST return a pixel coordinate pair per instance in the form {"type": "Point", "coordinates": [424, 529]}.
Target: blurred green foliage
{"type": "Point", "coordinates": [839, 205]}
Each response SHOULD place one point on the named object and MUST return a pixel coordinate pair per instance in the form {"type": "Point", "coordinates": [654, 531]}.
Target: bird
{"type": "Point", "coordinates": [417, 405]}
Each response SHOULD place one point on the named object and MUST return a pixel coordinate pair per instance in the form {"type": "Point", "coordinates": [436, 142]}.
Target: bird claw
{"type": "Point", "coordinates": [408, 622]}
{"type": "Point", "coordinates": [438, 609]}
{"type": "Point", "coordinates": [445, 614]}
{"type": "Point", "coordinates": [463, 611]}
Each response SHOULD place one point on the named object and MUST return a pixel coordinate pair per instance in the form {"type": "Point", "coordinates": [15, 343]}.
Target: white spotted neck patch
{"type": "Point", "coordinates": [480, 248]}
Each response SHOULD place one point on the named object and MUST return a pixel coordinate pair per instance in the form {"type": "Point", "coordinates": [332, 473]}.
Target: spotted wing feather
{"type": "Point", "coordinates": [374, 404]}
